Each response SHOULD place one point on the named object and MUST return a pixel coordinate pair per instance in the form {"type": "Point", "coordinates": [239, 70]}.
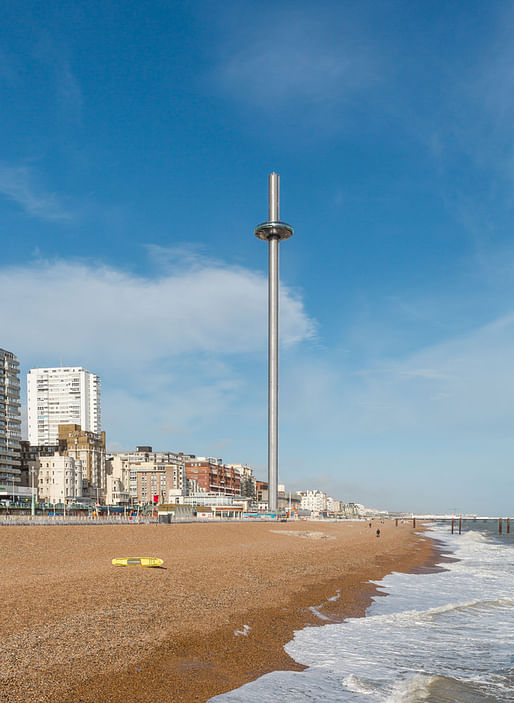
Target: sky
{"type": "Point", "coordinates": [135, 143]}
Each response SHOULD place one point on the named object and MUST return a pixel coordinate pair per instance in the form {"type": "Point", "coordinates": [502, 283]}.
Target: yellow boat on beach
{"type": "Point", "coordinates": [138, 561]}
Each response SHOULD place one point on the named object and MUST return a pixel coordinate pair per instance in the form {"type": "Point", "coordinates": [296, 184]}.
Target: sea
{"type": "Point", "coordinates": [443, 637]}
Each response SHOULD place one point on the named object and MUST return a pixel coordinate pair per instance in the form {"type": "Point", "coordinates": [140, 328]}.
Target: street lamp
{"type": "Point", "coordinates": [33, 501]}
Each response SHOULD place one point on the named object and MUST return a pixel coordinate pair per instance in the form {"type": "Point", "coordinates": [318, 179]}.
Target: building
{"type": "Point", "coordinates": [158, 483]}
{"type": "Point", "coordinates": [213, 476]}
{"type": "Point", "coordinates": [315, 501]}
{"type": "Point", "coordinates": [115, 491]}
{"type": "Point", "coordinates": [63, 395]}
{"type": "Point", "coordinates": [59, 479]}
{"type": "Point", "coordinates": [247, 479]}
{"type": "Point", "coordinates": [261, 489]}
{"type": "Point", "coordinates": [29, 462]}
{"type": "Point", "coordinates": [124, 465]}
{"type": "Point", "coordinates": [10, 424]}
{"type": "Point", "coordinates": [117, 483]}
{"type": "Point", "coordinates": [89, 447]}
{"type": "Point", "coordinates": [334, 506]}
{"type": "Point", "coordinates": [213, 505]}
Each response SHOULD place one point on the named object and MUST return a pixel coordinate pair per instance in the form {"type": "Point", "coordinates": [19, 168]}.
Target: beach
{"type": "Point", "coordinates": [216, 615]}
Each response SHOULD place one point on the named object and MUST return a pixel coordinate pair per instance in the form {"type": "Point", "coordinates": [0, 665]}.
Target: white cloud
{"type": "Point", "coordinates": [78, 309]}
{"type": "Point", "coordinates": [166, 346]}
{"type": "Point", "coordinates": [19, 184]}
{"type": "Point", "coordinates": [296, 57]}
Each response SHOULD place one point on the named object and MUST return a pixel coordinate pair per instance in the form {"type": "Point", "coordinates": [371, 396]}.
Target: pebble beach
{"type": "Point", "coordinates": [215, 615]}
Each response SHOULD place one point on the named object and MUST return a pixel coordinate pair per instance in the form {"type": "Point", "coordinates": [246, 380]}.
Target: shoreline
{"type": "Point", "coordinates": [217, 616]}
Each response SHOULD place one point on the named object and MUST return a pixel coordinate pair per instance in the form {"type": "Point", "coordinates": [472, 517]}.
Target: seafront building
{"type": "Point", "coordinates": [29, 459]}
{"type": "Point", "coordinates": [10, 425]}
{"type": "Point", "coordinates": [314, 501]}
{"type": "Point", "coordinates": [59, 479]}
{"type": "Point", "coordinates": [287, 502]}
{"type": "Point", "coordinates": [122, 472]}
{"type": "Point", "coordinates": [207, 506]}
{"type": "Point", "coordinates": [89, 447]}
{"type": "Point", "coordinates": [159, 483]}
{"type": "Point", "coordinates": [213, 476]}
{"type": "Point", "coordinates": [117, 482]}
{"type": "Point", "coordinates": [334, 506]}
{"type": "Point", "coordinates": [247, 480]}
{"type": "Point", "coordinates": [149, 477]}
{"type": "Point", "coordinates": [62, 395]}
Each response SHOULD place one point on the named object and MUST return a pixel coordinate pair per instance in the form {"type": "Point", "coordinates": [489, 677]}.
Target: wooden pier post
{"type": "Point", "coordinates": [500, 526]}
{"type": "Point", "coordinates": [508, 525]}
{"type": "Point", "coordinates": [460, 526]}
{"type": "Point", "coordinates": [396, 522]}
{"type": "Point", "coordinates": [413, 522]}
{"type": "Point", "coordinates": [453, 522]}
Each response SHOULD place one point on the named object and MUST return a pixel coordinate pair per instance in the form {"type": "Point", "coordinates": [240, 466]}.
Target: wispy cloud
{"type": "Point", "coordinates": [64, 82]}
{"type": "Point", "coordinates": [19, 184]}
{"type": "Point", "coordinates": [429, 374]}
{"type": "Point", "coordinates": [69, 92]}
{"type": "Point", "coordinates": [459, 387]}
{"type": "Point", "coordinates": [295, 57]}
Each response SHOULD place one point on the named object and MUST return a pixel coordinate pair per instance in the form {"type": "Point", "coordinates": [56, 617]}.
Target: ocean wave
{"type": "Point", "coordinates": [443, 637]}
{"type": "Point", "coordinates": [473, 536]}
{"type": "Point", "coordinates": [358, 685]}
{"type": "Point", "coordinates": [437, 689]}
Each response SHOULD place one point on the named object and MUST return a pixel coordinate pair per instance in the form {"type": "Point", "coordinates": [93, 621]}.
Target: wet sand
{"type": "Point", "coordinates": [76, 629]}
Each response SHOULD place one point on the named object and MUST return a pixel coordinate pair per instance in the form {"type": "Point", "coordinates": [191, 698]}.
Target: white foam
{"type": "Point", "coordinates": [413, 689]}
{"type": "Point", "coordinates": [246, 629]}
{"type": "Point", "coordinates": [356, 685]}
{"type": "Point", "coordinates": [451, 628]}
{"type": "Point", "coordinates": [336, 597]}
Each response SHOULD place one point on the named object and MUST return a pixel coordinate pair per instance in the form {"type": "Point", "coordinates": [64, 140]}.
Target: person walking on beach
{"type": "Point", "coordinates": [378, 533]}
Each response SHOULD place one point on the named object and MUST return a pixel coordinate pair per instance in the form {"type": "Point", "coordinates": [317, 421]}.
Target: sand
{"type": "Point", "coordinates": [229, 596]}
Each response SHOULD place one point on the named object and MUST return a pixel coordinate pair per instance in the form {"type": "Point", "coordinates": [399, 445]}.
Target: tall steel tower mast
{"type": "Point", "coordinates": [273, 231]}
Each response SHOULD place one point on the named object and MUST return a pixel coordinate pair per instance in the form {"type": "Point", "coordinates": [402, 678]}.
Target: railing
{"type": "Point", "coordinates": [18, 520]}
{"type": "Point", "coordinates": [76, 520]}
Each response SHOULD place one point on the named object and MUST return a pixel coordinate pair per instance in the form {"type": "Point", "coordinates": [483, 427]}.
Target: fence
{"type": "Point", "coordinates": [76, 520]}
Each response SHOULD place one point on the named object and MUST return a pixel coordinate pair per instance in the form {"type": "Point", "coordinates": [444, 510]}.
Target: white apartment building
{"type": "Point", "coordinates": [315, 501]}
{"type": "Point", "coordinates": [59, 479]}
{"type": "Point", "coordinates": [63, 395]}
{"type": "Point", "coordinates": [10, 424]}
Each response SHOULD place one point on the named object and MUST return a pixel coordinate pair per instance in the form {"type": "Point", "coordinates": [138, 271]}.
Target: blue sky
{"type": "Point", "coordinates": [135, 143]}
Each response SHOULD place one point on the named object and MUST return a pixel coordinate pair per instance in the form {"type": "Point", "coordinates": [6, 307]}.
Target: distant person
{"type": "Point", "coordinates": [378, 533]}
{"type": "Point", "coordinates": [370, 524]}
